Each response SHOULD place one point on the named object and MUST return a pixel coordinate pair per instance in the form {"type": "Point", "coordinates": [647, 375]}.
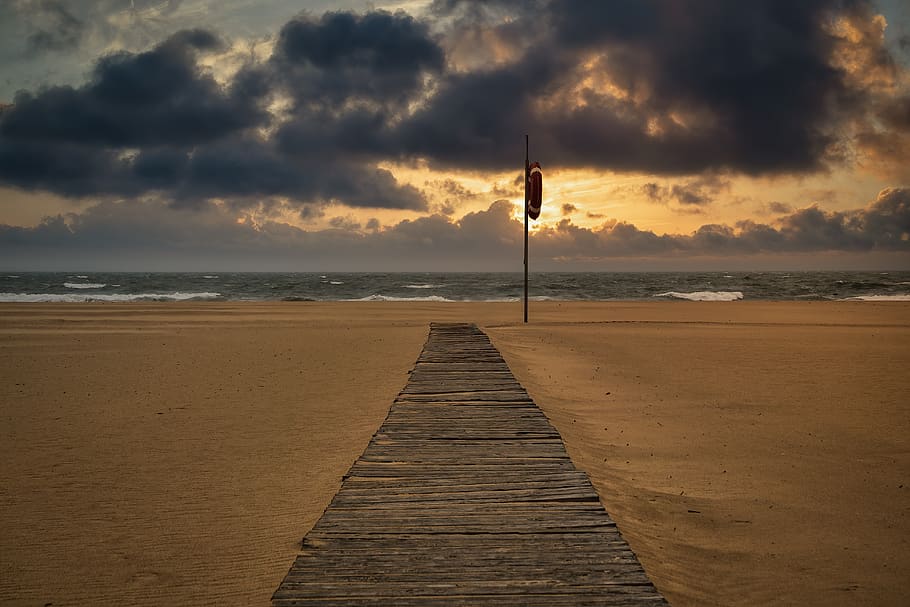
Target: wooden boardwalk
{"type": "Point", "coordinates": [465, 496]}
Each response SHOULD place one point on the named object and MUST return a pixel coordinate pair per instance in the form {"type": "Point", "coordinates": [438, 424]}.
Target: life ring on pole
{"type": "Point", "coordinates": [535, 190]}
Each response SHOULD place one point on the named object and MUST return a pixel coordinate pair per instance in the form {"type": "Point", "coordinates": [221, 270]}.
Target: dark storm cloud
{"type": "Point", "coordinates": [352, 78]}
{"type": "Point", "coordinates": [155, 121]}
{"type": "Point", "coordinates": [251, 168]}
{"type": "Point", "coordinates": [244, 168]}
{"type": "Point", "coordinates": [476, 119]}
{"type": "Point", "coordinates": [885, 224]}
{"type": "Point", "coordinates": [663, 86]}
{"type": "Point", "coordinates": [378, 57]}
{"type": "Point", "coordinates": [159, 97]}
{"type": "Point", "coordinates": [753, 81]}
{"type": "Point", "coordinates": [358, 133]}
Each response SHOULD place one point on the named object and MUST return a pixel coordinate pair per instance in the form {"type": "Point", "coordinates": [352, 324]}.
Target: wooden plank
{"type": "Point", "coordinates": [465, 496]}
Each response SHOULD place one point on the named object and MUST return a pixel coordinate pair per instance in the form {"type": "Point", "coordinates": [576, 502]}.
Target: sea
{"type": "Point", "coordinates": [453, 287]}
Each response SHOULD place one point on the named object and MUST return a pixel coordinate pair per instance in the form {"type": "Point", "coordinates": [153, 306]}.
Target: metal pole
{"type": "Point", "coordinates": [526, 228]}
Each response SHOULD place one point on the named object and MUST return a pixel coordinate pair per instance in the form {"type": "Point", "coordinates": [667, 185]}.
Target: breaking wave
{"type": "Point", "coordinates": [114, 297]}
{"type": "Point", "coordinates": [704, 295]}
{"type": "Point", "coordinates": [84, 285]}
{"type": "Point", "coordinates": [391, 298]}
{"type": "Point", "coordinates": [895, 297]}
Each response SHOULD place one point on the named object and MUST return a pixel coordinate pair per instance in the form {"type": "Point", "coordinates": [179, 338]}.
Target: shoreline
{"type": "Point", "coordinates": [155, 450]}
{"type": "Point", "coordinates": [464, 287]}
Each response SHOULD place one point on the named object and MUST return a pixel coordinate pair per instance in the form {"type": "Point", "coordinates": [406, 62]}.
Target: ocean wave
{"type": "Point", "coordinates": [423, 286]}
{"type": "Point", "coordinates": [391, 298]}
{"type": "Point", "coordinates": [894, 297]}
{"type": "Point", "coordinates": [437, 298]}
{"type": "Point", "coordinates": [210, 276]}
{"type": "Point", "coordinates": [84, 285]}
{"type": "Point", "coordinates": [336, 282]}
{"type": "Point", "coordinates": [704, 295]}
{"type": "Point", "coordinates": [12, 276]}
{"type": "Point", "coordinates": [114, 297]}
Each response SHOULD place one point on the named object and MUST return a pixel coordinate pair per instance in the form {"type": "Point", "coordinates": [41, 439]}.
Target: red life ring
{"type": "Point", "coordinates": [535, 190]}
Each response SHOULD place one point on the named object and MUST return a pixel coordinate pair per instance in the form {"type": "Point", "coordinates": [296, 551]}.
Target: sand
{"type": "Point", "coordinates": [155, 454]}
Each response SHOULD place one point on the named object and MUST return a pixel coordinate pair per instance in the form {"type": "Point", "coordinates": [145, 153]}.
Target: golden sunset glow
{"type": "Point", "coordinates": [397, 129]}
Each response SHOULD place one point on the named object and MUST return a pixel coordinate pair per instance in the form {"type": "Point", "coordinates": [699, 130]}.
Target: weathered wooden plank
{"type": "Point", "coordinates": [439, 412]}
{"type": "Point", "coordinates": [524, 600]}
{"type": "Point", "coordinates": [461, 392]}
{"type": "Point", "coordinates": [461, 366]}
{"type": "Point", "coordinates": [366, 561]}
{"type": "Point", "coordinates": [504, 541]}
{"type": "Point", "coordinates": [458, 571]}
{"type": "Point", "coordinates": [465, 496]}
{"type": "Point", "coordinates": [479, 396]}
{"type": "Point", "coordinates": [535, 495]}
{"type": "Point", "coordinates": [437, 470]}
{"type": "Point", "coordinates": [408, 434]}
{"type": "Point", "coordinates": [464, 577]}
{"type": "Point", "coordinates": [470, 511]}
{"type": "Point", "coordinates": [406, 484]}
{"type": "Point", "coordinates": [458, 525]}
{"type": "Point", "coordinates": [467, 588]}
{"type": "Point", "coordinates": [439, 517]}
{"type": "Point", "coordinates": [464, 484]}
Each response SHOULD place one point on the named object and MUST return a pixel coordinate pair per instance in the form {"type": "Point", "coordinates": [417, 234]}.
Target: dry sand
{"type": "Point", "coordinates": [155, 454]}
{"type": "Point", "coordinates": [752, 454]}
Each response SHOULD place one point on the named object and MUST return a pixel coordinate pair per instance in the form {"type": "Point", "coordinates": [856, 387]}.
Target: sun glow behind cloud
{"type": "Point", "coordinates": [302, 127]}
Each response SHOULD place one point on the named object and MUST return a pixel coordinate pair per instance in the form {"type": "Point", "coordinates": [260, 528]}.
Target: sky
{"type": "Point", "coordinates": [163, 135]}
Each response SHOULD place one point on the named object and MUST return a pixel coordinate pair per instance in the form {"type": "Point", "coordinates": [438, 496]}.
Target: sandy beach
{"type": "Point", "coordinates": [751, 452]}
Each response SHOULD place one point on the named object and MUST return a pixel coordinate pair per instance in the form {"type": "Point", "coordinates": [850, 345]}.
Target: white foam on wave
{"type": "Point", "coordinates": [704, 295]}
{"type": "Point", "coordinates": [210, 276]}
{"type": "Point", "coordinates": [437, 298]}
{"type": "Point", "coordinates": [81, 276]}
{"type": "Point", "coordinates": [336, 282]}
{"type": "Point", "coordinates": [427, 286]}
{"type": "Point", "coordinates": [895, 297]}
{"type": "Point", "coordinates": [12, 276]}
{"type": "Point", "coordinates": [390, 298]}
{"type": "Point", "coordinates": [84, 285]}
{"type": "Point", "coordinates": [90, 297]}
